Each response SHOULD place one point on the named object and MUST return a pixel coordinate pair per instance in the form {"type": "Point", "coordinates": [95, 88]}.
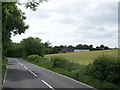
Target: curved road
{"type": "Point", "coordinates": [22, 74]}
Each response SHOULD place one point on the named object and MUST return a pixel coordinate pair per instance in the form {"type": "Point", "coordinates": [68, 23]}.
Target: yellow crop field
{"type": "Point", "coordinates": [83, 57]}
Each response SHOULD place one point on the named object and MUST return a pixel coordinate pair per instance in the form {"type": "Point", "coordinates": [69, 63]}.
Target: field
{"type": "Point", "coordinates": [84, 58]}
{"type": "Point", "coordinates": [62, 64]}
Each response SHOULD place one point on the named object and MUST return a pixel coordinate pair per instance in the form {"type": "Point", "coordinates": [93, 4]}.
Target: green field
{"type": "Point", "coordinates": [84, 58]}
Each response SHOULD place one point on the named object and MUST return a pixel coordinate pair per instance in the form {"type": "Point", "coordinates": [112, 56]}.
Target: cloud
{"type": "Point", "coordinates": [73, 22]}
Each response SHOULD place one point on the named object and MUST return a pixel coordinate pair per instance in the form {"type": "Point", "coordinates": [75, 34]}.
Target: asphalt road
{"type": "Point", "coordinates": [22, 74]}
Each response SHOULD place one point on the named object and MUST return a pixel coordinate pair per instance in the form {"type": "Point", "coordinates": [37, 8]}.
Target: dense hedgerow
{"type": "Point", "coordinates": [105, 68]}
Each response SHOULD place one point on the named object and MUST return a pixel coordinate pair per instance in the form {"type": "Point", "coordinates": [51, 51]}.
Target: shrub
{"type": "Point", "coordinates": [33, 57]}
{"type": "Point", "coordinates": [105, 68]}
{"type": "Point", "coordinates": [113, 72]}
{"type": "Point", "coordinates": [58, 61]}
{"type": "Point", "coordinates": [69, 66]}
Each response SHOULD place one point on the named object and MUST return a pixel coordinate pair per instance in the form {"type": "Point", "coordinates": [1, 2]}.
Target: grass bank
{"type": "Point", "coordinates": [61, 64]}
{"type": "Point", "coordinates": [4, 67]}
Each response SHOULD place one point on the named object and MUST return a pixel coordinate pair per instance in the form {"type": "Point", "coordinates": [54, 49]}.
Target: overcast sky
{"type": "Point", "coordinates": [73, 22]}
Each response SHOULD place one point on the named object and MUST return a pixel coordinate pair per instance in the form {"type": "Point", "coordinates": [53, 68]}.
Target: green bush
{"type": "Point", "coordinates": [33, 57]}
{"type": "Point", "coordinates": [69, 67]}
{"type": "Point", "coordinates": [105, 68]}
{"type": "Point", "coordinates": [58, 62]}
{"type": "Point", "coordinates": [39, 60]}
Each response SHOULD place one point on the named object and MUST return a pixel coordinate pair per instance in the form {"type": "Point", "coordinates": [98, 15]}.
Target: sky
{"type": "Point", "coordinates": [73, 22]}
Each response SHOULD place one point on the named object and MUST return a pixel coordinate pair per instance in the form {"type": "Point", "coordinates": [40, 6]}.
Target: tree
{"type": "Point", "coordinates": [33, 46]}
{"type": "Point", "coordinates": [91, 47]}
{"type": "Point", "coordinates": [79, 46]}
{"type": "Point", "coordinates": [32, 4]}
{"type": "Point", "coordinates": [71, 47]}
{"type": "Point", "coordinates": [106, 47]}
{"type": "Point", "coordinates": [85, 46]}
{"type": "Point", "coordinates": [12, 22]}
{"type": "Point", "coordinates": [16, 49]}
{"type": "Point", "coordinates": [48, 47]}
{"type": "Point", "coordinates": [47, 44]}
{"type": "Point", "coordinates": [102, 46]}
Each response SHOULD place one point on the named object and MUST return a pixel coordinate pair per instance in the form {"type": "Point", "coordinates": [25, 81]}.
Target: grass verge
{"type": "Point", "coordinates": [72, 70]}
{"type": "Point", "coordinates": [4, 67]}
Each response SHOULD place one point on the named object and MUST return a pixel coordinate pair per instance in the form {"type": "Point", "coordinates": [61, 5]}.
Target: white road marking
{"type": "Point", "coordinates": [48, 85]}
{"type": "Point", "coordinates": [64, 76]}
{"type": "Point", "coordinates": [21, 64]}
{"type": "Point", "coordinates": [33, 73]}
{"type": "Point", "coordinates": [18, 61]}
{"type": "Point", "coordinates": [25, 67]}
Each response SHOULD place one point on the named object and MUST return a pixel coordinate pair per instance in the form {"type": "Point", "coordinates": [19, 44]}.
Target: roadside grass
{"type": "Point", "coordinates": [63, 64]}
{"type": "Point", "coordinates": [96, 83]}
{"type": "Point", "coordinates": [84, 58]}
{"type": "Point", "coordinates": [0, 71]}
{"type": "Point", "coordinates": [4, 67]}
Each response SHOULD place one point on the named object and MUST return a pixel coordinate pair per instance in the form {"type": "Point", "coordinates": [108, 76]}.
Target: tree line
{"type": "Point", "coordinates": [30, 46]}
{"type": "Point", "coordinates": [57, 49]}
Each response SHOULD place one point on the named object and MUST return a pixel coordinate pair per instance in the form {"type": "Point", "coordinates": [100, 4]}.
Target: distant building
{"type": "Point", "coordinates": [76, 50]}
{"type": "Point", "coordinates": [66, 50]}
{"type": "Point", "coordinates": [79, 50]}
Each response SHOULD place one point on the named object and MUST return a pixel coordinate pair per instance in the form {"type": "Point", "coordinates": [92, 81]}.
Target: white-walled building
{"type": "Point", "coordinates": [79, 50]}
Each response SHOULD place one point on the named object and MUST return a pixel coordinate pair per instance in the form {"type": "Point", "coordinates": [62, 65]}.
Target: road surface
{"type": "Point", "coordinates": [22, 74]}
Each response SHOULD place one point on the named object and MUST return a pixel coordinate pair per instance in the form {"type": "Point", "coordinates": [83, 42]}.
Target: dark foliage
{"type": "Point", "coordinates": [105, 68]}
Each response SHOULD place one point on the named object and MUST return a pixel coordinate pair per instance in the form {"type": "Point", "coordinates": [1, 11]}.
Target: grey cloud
{"type": "Point", "coordinates": [40, 14]}
{"type": "Point", "coordinates": [39, 33]}
{"type": "Point", "coordinates": [71, 9]}
{"type": "Point", "coordinates": [67, 20]}
{"type": "Point", "coordinates": [108, 13]}
{"type": "Point", "coordinates": [99, 33]}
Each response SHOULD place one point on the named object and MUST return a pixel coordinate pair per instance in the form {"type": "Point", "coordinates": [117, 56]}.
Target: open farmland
{"type": "Point", "coordinates": [83, 57]}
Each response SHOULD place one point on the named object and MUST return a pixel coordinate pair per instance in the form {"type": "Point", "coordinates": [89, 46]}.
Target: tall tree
{"type": "Point", "coordinates": [34, 4]}
{"type": "Point", "coordinates": [79, 46]}
{"type": "Point", "coordinates": [13, 19]}
{"type": "Point", "coordinates": [33, 46]}
{"type": "Point", "coordinates": [47, 44]}
{"type": "Point", "coordinates": [12, 22]}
